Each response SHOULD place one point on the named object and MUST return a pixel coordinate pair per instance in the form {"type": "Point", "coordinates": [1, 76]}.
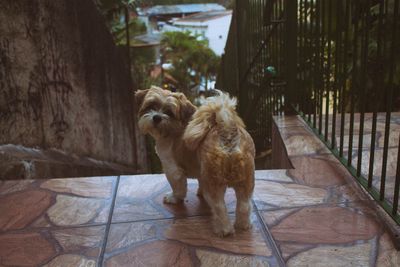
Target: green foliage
{"type": "Point", "coordinates": [118, 30]}
{"type": "Point", "coordinates": [377, 63]}
{"type": "Point", "coordinates": [142, 60]}
{"type": "Point", "coordinates": [115, 11]}
{"type": "Point", "coordinates": [189, 55]}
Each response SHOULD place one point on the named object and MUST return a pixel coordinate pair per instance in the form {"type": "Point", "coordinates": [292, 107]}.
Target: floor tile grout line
{"type": "Point", "coordinates": [271, 240]}
{"type": "Point", "coordinates": [51, 228]}
{"type": "Point", "coordinates": [109, 221]}
{"type": "Point", "coordinates": [346, 203]}
{"type": "Point", "coordinates": [167, 218]}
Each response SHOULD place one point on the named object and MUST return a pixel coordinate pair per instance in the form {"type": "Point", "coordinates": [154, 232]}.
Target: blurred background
{"type": "Point", "coordinates": [174, 44]}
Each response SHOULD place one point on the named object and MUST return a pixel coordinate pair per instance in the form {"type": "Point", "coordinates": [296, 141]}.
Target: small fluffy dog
{"type": "Point", "coordinates": [164, 115]}
{"type": "Point", "coordinates": [226, 153]}
{"type": "Point", "coordinates": [210, 144]}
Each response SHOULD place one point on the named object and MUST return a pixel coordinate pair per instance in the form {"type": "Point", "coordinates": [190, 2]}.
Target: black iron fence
{"type": "Point", "coordinates": [336, 63]}
{"type": "Point", "coordinates": [249, 65]}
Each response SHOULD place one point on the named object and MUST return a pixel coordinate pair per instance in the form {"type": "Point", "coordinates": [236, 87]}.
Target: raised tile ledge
{"type": "Point", "coordinates": [293, 139]}
{"type": "Point", "coordinates": [19, 162]}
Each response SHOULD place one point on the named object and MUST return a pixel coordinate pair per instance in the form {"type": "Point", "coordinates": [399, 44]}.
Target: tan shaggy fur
{"type": "Point", "coordinates": [226, 153]}
{"type": "Point", "coordinates": [164, 115]}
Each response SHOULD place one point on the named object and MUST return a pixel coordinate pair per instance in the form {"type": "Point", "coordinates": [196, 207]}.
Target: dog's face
{"type": "Point", "coordinates": [163, 113]}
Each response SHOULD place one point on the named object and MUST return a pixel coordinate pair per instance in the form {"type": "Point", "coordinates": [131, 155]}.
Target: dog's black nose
{"type": "Point", "coordinates": [157, 119]}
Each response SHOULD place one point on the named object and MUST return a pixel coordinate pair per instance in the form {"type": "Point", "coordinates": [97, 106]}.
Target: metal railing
{"type": "Point", "coordinates": [249, 67]}
{"type": "Point", "coordinates": [336, 63]}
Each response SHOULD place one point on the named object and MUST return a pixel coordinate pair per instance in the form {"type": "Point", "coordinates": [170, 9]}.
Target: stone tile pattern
{"type": "Point", "coordinates": [65, 222]}
{"type": "Point", "coordinates": [393, 144]}
{"type": "Point", "coordinates": [147, 232]}
{"type": "Point", "coordinates": [57, 222]}
{"type": "Point", "coordinates": [316, 213]}
{"type": "Point", "coordinates": [312, 215]}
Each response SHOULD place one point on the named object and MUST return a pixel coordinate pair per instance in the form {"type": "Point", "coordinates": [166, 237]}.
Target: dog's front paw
{"type": "Point", "coordinates": [243, 225]}
{"type": "Point", "coordinates": [171, 199]}
{"type": "Point", "coordinates": [223, 230]}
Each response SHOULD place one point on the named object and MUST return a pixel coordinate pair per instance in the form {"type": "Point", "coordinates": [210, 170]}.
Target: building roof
{"type": "Point", "coordinates": [148, 39]}
{"type": "Point", "coordinates": [204, 16]}
{"type": "Point", "coordinates": [183, 9]}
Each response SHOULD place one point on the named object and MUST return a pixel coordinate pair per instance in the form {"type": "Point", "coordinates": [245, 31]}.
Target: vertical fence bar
{"type": "Point", "coordinates": [269, 60]}
{"type": "Point", "coordinates": [276, 36]}
{"type": "Point", "coordinates": [353, 83]}
{"type": "Point", "coordinates": [312, 62]}
{"type": "Point", "coordinates": [308, 63]}
{"type": "Point", "coordinates": [389, 100]}
{"type": "Point", "coordinates": [321, 64]}
{"type": "Point", "coordinates": [245, 20]}
{"type": "Point", "coordinates": [275, 39]}
{"type": "Point", "coordinates": [397, 183]}
{"type": "Point", "coordinates": [290, 52]}
{"type": "Point", "coordinates": [300, 53]}
{"type": "Point", "coordinates": [249, 18]}
{"type": "Point", "coordinates": [327, 71]}
{"type": "Point", "coordinates": [304, 70]}
{"type": "Point", "coordinates": [268, 129]}
{"type": "Point", "coordinates": [257, 79]}
{"type": "Point", "coordinates": [378, 87]}
{"type": "Point", "coordinates": [303, 63]}
{"type": "Point", "coordinates": [312, 65]}
{"type": "Point", "coordinates": [237, 38]}
{"type": "Point", "coordinates": [336, 73]}
{"type": "Point", "coordinates": [280, 35]}
{"type": "Point", "coordinates": [269, 51]}
{"type": "Point", "coordinates": [362, 82]}
{"type": "Point", "coordinates": [315, 61]}
{"type": "Point", "coordinates": [344, 75]}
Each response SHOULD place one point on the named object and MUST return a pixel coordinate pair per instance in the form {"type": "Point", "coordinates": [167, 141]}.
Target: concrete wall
{"type": "Point", "coordinates": [280, 158]}
{"type": "Point", "coordinates": [63, 84]}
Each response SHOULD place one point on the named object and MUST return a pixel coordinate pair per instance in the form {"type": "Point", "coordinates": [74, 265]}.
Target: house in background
{"type": "Point", "coordinates": [209, 21]}
{"type": "Point", "coordinates": [211, 25]}
{"type": "Point", "coordinates": [164, 13]}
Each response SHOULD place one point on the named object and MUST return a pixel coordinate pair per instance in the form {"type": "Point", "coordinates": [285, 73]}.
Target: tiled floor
{"type": "Point", "coordinates": [85, 221]}
{"type": "Point", "coordinates": [393, 144]}
{"type": "Point", "coordinates": [312, 215]}
{"type": "Point", "coordinates": [303, 222]}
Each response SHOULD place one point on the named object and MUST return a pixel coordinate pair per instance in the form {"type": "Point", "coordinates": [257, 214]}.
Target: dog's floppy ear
{"type": "Point", "coordinates": [187, 109]}
{"type": "Point", "coordinates": [139, 97]}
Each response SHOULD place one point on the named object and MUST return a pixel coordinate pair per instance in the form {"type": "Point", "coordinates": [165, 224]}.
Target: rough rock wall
{"type": "Point", "coordinates": [63, 84]}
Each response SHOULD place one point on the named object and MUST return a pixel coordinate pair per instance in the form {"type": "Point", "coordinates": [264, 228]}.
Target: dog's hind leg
{"type": "Point", "coordinates": [215, 199]}
{"type": "Point", "coordinates": [243, 206]}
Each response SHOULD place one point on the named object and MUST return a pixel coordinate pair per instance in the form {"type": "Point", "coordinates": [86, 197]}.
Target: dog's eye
{"type": "Point", "coordinates": [169, 113]}
{"type": "Point", "coordinates": [151, 106]}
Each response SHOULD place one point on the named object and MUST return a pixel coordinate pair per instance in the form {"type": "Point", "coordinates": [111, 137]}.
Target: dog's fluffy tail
{"type": "Point", "coordinates": [218, 111]}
